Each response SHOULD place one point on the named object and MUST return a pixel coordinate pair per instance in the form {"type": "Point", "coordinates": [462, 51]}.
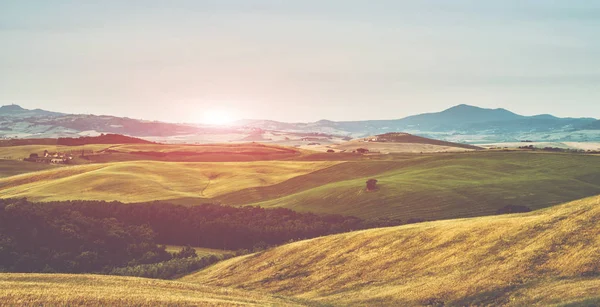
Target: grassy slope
{"type": "Point", "coordinates": [544, 257]}
{"type": "Point", "coordinates": [444, 186]}
{"type": "Point", "coordinates": [438, 186]}
{"type": "Point", "coordinates": [97, 290]}
{"type": "Point", "coordinates": [149, 180]}
{"type": "Point", "coordinates": [14, 167]}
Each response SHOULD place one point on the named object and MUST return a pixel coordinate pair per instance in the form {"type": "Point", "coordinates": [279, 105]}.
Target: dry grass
{"type": "Point", "coordinates": [97, 290]}
{"type": "Point", "coordinates": [14, 167]}
{"type": "Point", "coordinates": [541, 258]}
{"type": "Point", "coordinates": [150, 180]}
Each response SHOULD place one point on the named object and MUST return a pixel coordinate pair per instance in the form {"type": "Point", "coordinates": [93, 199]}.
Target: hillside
{"type": "Point", "coordinates": [98, 290]}
{"type": "Point", "coordinates": [149, 180]}
{"type": "Point", "coordinates": [11, 168]}
{"type": "Point", "coordinates": [410, 186]}
{"type": "Point", "coordinates": [115, 152]}
{"type": "Point", "coordinates": [438, 186]}
{"type": "Point", "coordinates": [395, 142]}
{"type": "Point", "coordinates": [546, 257]}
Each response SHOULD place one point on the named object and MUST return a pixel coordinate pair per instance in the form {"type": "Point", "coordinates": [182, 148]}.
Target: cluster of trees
{"type": "Point", "coordinates": [97, 236]}
{"type": "Point", "coordinates": [223, 227]}
{"type": "Point", "coordinates": [101, 139]}
{"type": "Point", "coordinates": [38, 238]}
{"type": "Point", "coordinates": [169, 269]}
{"type": "Point", "coordinates": [558, 149]}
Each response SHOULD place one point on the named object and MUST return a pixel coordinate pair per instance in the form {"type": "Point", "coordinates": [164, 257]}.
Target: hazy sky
{"type": "Point", "coordinates": [300, 60]}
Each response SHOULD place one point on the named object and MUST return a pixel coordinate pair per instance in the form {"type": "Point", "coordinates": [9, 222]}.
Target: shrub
{"type": "Point", "coordinates": [371, 184]}
{"type": "Point", "coordinates": [186, 252]}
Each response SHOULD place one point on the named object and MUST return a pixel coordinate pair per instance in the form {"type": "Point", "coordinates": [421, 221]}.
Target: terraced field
{"type": "Point", "coordinates": [543, 258]}
{"type": "Point", "coordinates": [98, 290]}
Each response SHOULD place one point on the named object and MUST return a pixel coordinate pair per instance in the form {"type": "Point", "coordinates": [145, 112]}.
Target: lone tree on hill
{"type": "Point", "coordinates": [362, 150]}
{"type": "Point", "coordinates": [372, 185]}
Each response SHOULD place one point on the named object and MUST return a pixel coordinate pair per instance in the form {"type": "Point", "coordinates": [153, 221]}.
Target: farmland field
{"type": "Point", "coordinates": [98, 290]}
{"type": "Point", "coordinates": [20, 152]}
{"type": "Point", "coordinates": [547, 257]}
{"type": "Point", "coordinates": [13, 167]}
{"type": "Point", "coordinates": [141, 181]}
{"type": "Point", "coordinates": [421, 186]}
{"type": "Point", "coordinates": [447, 186]}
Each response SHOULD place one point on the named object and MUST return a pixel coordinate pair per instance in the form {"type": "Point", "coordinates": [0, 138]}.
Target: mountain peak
{"type": "Point", "coordinates": [11, 107]}
{"type": "Point", "coordinates": [466, 107]}
{"type": "Point", "coordinates": [15, 110]}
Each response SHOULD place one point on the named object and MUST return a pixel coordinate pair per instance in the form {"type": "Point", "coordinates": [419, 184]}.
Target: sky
{"type": "Point", "coordinates": [299, 61]}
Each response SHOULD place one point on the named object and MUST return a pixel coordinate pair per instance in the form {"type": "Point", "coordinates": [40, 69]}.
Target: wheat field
{"type": "Point", "coordinates": [97, 290]}
{"type": "Point", "coordinates": [547, 257]}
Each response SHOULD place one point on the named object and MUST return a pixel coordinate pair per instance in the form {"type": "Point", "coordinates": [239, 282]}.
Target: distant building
{"type": "Point", "coordinates": [50, 158]}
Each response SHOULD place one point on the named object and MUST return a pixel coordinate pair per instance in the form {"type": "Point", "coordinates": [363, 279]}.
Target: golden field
{"type": "Point", "coordinates": [140, 181]}
{"type": "Point", "coordinates": [544, 258]}
{"type": "Point", "coordinates": [97, 290]}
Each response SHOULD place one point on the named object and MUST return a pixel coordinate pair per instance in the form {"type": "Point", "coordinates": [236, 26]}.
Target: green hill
{"type": "Point", "coordinates": [431, 187]}
{"type": "Point", "coordinates": [441, 186]}
{"type": "Point", "coordinates": [544, 258]}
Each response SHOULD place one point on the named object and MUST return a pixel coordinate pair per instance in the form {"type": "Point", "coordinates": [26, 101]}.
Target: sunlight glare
{"type": "Point", "coordinates": [217, 117]}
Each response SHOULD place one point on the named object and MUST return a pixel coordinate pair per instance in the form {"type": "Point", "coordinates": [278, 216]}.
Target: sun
{"type": "Point", "coordinates": [217, 117]}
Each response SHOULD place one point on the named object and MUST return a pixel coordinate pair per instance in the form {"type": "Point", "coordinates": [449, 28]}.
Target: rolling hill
{"type": "Point", "coordinates": [103, 152]}
{"type": "Point", "coordinates": [411, 186]}
{"type": "Point", "coordinates": [142, 181]}
{"type": "Point", "coordinates": [544, 258]}
{"type": "Point", "coordinates": [98, 290]}
{"type": "Point", "coordinates": [403, 143]}
{"type": "Point", "coordinates": [437, 186]}
{"type": "Point", "coordinates": [11, 168]}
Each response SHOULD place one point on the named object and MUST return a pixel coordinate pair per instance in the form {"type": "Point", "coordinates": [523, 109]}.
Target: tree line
{"type": "Point", "coordinates": [98, 236]}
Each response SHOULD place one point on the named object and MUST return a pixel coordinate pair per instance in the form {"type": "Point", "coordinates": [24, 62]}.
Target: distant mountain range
{"type": "Point", "coordinates": [462, 123]}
